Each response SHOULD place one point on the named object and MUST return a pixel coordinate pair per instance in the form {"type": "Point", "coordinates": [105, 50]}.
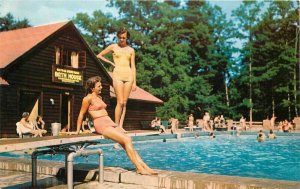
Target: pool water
{"type": "Point", "coordinates": [277, 159]}
{"type": "Point", "coordinates": [225, 155]}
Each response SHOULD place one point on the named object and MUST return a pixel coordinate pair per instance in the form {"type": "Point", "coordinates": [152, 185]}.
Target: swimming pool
{"type": "Point", "coordinates": [225, 155]}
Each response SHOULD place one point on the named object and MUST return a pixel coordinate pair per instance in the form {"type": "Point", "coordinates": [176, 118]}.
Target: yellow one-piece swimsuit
{"type": "Point", "coordinates": [122, 70]}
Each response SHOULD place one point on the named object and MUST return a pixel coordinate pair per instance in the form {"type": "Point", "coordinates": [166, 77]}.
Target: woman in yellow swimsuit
{"type": "Point", "coordinates": [93, 104]}
{"type": "Point", "coordinates": [124, 74]}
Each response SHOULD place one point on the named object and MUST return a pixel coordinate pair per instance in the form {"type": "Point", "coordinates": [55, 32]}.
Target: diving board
{"type": "Point", "coordinates": [68, 145]}
{"type": "Point", "coordinates": [10, 145]}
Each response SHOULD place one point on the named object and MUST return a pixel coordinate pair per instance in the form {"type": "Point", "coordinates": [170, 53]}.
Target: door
{"type": "Point", "coordinates": [66, 109]}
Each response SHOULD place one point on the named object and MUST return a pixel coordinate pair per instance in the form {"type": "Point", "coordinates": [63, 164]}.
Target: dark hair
{"type": "Point", "coordinates": [122, 31]}
{"type": "Point", "coordinates": [25, 114]}
{"type": "Point", "coordinates": [90, 83]}
{"type": "Point", "coordinates": [38, 117]}
{"type": "Point", "coordinates": [260, 135]}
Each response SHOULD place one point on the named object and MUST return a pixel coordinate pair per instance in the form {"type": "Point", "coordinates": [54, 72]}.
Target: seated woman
{"type": "Point", "coordinates": [40, 125]}
{"type": "Point", "coordinates": [26, 126]}
{"type": "Point", "coordinates": [157, 123]}
{"type": "Point", "coordinates": [153, 122]}
{"type": "Point", "coordinates": [93, 104]}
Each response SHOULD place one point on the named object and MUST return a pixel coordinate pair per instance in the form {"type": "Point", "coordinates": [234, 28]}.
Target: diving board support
{"type": "Point", "coordinates": [84, 153]}
{"type": "Point", "coordinates": [69, 153]}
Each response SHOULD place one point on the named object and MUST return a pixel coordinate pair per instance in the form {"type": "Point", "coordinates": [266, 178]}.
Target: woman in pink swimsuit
{"type": "Point", "coordinates": [93, 104]}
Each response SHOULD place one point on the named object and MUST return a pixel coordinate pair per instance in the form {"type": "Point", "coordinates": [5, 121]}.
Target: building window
{"type": "Point", "coordinates": [57, 55]}
{"type": "Point", "coordinates": [74, 59]}
{"type": "Point", "coordinates": [69, 57]}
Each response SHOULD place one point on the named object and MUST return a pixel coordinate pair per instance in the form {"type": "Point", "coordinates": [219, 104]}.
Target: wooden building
{"type": "Point", "coordinates": [140, 107]}
{"type": "Point", "coordinates": [43, 70]}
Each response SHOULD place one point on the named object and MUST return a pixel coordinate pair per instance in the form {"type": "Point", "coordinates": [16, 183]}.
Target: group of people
{"type": "Point", "coordinates": [205, 123]}
{"type": "Point", "coordinates": [26, 126]}
{"type": "Point", "coordinates": [283, 126]}
{"type": "Point", "coordinates": [219, 122]}
{"type": "Point", "coordinates": [173, 122]}
{"type": "Point", "coordinates": [261, 137]}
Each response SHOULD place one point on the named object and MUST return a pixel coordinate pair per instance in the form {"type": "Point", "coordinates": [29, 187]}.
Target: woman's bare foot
{"type": "Point", "coordinates": [146, 167]}
{"type": "Point", "coordinates": [143, 172]}
{"type": "Point", "coordinates": [151, 171]}
{"type": "Point", "coordinates": [146, 172]}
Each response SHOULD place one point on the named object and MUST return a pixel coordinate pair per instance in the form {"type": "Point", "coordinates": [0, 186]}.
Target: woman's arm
{"type": "Point", "coordinates": [133, 68]}
{"type": "Point", "coordinates": [43, 124]}
{"type": "Point", "coordinates": [83, 110]}
{"type": "Point", "coordinates": [104, 52]}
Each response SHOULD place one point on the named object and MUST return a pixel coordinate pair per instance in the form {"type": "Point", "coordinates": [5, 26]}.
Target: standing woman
{"type": "Point", "coordinates": [93, 104]}
{"type": "Point", "coordinates": [124, 74]}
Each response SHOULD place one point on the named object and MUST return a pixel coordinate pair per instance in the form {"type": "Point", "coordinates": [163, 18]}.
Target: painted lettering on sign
{"type": "Point", "coordinates": [65, 75]}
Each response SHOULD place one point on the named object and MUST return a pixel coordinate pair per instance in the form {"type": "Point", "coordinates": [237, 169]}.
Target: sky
{"type": "Point", "coordinates": [40, 12]}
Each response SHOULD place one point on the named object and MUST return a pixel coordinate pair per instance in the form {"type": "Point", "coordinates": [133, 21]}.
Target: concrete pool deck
{"type": "Point", "coordinates": [16, 173]}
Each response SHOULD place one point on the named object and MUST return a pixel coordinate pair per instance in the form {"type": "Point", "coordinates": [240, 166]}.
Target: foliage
{"type": "Point", "coordinates": [8, 22]}
{"type": "Point", "coordinates": [185, 54]}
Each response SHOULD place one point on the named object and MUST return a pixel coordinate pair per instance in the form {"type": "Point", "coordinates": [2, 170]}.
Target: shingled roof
{"type": "Point", "coordinates": [16, 43]}
{"type": "Point", "coordinates": [139, 94]}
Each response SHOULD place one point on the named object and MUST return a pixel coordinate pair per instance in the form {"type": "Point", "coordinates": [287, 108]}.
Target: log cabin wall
{"type": "Point", "coordinates": [136, 111]}
{"type": "Point", "coordinates": [32, 73]}
{"type": "Point", "coordinates": [8, 110]}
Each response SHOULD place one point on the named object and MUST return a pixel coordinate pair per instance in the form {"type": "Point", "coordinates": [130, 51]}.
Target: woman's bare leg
{"type": "Point", "coordinates": [122, 90]}
{"type": "Point", "coordinates": [127, 91]}
{"type": "Point", "coordinates": [137, 155]}
{"type": "Point", "coordinates": [118, 87]}
{"type": "Point", "coordinates": [126, 143]}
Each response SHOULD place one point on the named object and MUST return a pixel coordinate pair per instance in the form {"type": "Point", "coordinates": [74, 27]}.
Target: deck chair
{"type": "Point", "coordinates": [21, 132]}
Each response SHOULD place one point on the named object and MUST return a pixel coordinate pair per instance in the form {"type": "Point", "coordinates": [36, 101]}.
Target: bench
{"type": "Point", "coordinates": [69, 145]}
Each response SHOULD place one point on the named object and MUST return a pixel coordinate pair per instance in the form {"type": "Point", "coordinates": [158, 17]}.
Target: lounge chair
{"type": "Point", "coordinates": [23, 133]}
